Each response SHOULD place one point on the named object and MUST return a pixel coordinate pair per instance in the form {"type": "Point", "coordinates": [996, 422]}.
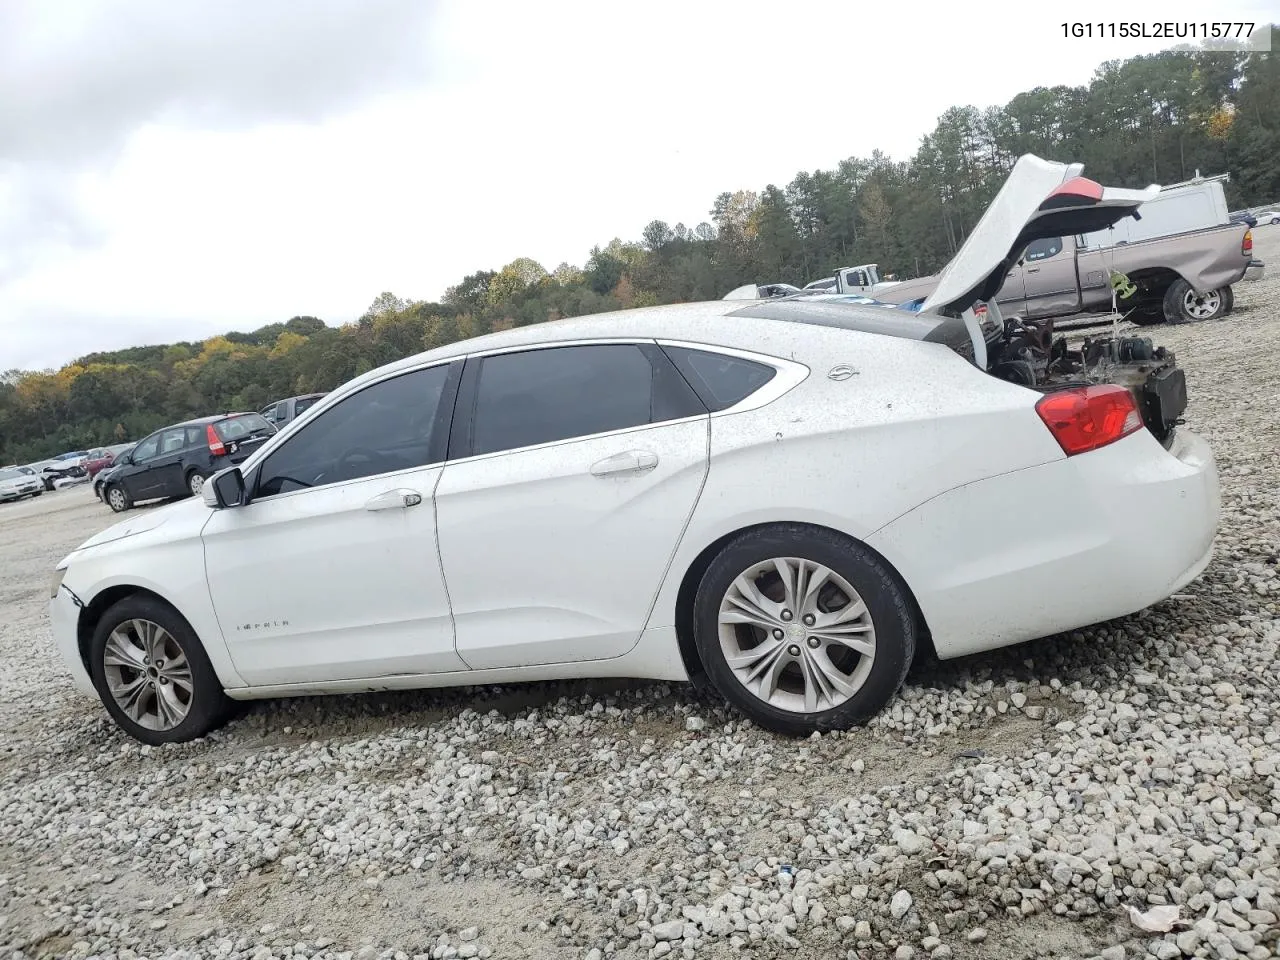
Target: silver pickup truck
{"type": "Point", "coordinates": [1184, 278]}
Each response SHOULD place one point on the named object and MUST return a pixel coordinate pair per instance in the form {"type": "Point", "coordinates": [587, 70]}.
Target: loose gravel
{"type": "Point", "coordinates": [1011, 805]}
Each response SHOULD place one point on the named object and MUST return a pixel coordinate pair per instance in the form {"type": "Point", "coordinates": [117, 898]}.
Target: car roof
{"type": "Point", "coordinates": [716, 321]}
{"type": "Point", "coordinates": [204, 421]}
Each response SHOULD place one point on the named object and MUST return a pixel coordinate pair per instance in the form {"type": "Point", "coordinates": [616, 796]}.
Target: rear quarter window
{"type": "Point", "coordinates": [720, 380]}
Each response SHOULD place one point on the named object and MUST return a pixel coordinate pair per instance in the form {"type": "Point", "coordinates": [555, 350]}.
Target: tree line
{"type": "Point", "coordinates": [1150, 119]}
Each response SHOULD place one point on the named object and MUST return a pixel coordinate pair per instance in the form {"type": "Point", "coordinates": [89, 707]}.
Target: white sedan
{"type": "Point", "coordinates": [788, 497]}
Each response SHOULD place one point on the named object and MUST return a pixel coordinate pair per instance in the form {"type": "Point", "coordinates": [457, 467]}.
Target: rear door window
{"type": "Point", "coordinates": [559, 393]}
{"type": "Point", "coordinates": [173, 440]}
{"type": "Point", "coordinates": [1043, 249]}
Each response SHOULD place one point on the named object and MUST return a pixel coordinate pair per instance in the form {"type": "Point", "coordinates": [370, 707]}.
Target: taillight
{"type": "Point", "coordinates": [216, 446]}
{"type": "Point", "coordinates": [1246, 245]}
{"type": "Point", "coordinates": [1085, 418]}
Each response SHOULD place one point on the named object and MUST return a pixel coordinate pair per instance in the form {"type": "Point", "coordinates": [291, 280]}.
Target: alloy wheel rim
{"type": "Point", "coordinates": [196, 483]}
{"type": "Point", "coordinates": [1202, 307]}
{"type": "Point", "coordinates": [117, 498]}
{"type": "Point", "coordinates": [796, 635]}
{"type": "Point", "coordinates": [148, 675]}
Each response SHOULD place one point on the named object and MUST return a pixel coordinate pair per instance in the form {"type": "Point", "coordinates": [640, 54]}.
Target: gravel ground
{"type": "Point", "coordinates": [1011, 805]}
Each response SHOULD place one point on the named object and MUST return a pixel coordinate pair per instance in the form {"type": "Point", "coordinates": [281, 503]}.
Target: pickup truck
{"type": "Point", "coordinates": [282, 411]}
{"type": "Point", "coordinates": [1185, 278]}
{"type": "Point", "coordinates": [863, 279]}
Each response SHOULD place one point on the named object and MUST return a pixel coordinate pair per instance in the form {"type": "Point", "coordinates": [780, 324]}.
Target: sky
{"type": "Point", "coordinates": [174, 169]}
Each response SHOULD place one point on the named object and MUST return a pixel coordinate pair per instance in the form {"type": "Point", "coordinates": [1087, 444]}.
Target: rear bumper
{"type": "Point", "coordinates": [1255, 270]}
{"type": "Point", "coordinates": [1058, 546]}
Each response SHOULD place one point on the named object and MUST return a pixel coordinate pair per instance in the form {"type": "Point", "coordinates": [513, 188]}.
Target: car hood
{"type": "Point", "coordinates": [1040, 198]}
{"type": "Point", "coordinates": [178, 516]}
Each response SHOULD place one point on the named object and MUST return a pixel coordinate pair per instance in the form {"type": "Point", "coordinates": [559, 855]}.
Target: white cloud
{"type": "Point", "coordinates": [174, 169]}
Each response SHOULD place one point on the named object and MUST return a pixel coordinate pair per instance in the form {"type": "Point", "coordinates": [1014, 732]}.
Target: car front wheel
{"type": "Point", "coordinates": [118, 499]}
{"type": "Point", "coordinates": [803, 629]}
{"type": "Point", "coordinates": [153, 675]}
{"type": "Point", "coordinates": [195, 483]}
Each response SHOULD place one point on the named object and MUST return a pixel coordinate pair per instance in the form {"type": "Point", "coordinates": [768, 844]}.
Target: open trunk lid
{"type": "Point", "coordinates": [1040, 198]}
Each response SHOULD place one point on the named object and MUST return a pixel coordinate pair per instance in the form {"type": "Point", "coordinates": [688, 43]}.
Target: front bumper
{"type": "Point", "coordinates": [1060, 546]}
{"type": "Point", "coordinates": [1255, 270]}
{"type": "Point", "coordinates": [64, 618]}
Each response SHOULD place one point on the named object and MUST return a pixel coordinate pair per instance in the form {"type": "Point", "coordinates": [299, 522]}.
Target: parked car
{"type": "Point", "coordinates": [282, 411]}
{"type": "Point", "coordinates": [784, 497]}
{"type": "Point", "coordinates": [17, 482]}
{"type": "Point", "coordinates": [176, 460]}
{"type": "Point", "coordinates": [63, 468]}
{"type": "Point", "coordinates": [98, 460]}
{"type": "Point", "coordinates": [1268, 216]}
{"type": "Point", "coordinates": [1183, 278]}
{"type": "Point", "coordinates": [100, 479]}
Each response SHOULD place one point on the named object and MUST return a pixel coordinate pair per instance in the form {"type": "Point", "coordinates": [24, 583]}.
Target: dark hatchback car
{"type": "Point", "coordinates": [175, 461]}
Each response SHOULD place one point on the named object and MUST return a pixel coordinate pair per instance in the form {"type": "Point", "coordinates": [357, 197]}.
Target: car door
{"type": "Point", "coordinates": [331, 571]}
{"type": "Point", "coordinates": [136, 477]}
{"type": "Point", "coordinates": [573, 472]}
{"type": "Point", "coordinates": [164, 472]}
{"type": "Point", "coordinates": [1049, 266]}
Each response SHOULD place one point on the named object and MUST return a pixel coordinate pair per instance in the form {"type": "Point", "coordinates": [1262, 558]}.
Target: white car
{"type": "Point", "coordinates": [19, 482]}
{"type": "Point", "coordinates": [1268, 216]}
{"type": "Point", "coordinates": [788, 497]}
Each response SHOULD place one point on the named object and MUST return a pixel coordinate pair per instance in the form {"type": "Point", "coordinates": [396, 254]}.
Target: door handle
{"type": "Point", "coordinates": [394, 500]}
{"type": "Point", "coordinates": [632, 461]}
{"type": "Point", "coordinates": [1033, 269]}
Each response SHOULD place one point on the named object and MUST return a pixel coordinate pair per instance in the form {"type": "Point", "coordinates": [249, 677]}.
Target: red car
{"type": "Point", "coordinates": [99, 460]}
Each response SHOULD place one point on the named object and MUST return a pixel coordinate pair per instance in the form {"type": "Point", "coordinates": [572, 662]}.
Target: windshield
{"type": "Point", "coordinates": [243, 426]}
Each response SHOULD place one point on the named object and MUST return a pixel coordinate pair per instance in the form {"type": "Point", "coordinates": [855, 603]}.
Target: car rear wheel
{"type": "Point", "coordinates": [803, 629]}
{"type": "Point", "coordinates": [153, 675]}
{"type": "Point", "coordinates": [118, 498]}
{"type": "Point", "coordinates": [1183, 305]}
{"type": "Point", "coordinates": [195, 483]}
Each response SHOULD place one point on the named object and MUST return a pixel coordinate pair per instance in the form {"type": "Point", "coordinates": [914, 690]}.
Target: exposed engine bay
{"type": "Point", "coordinates": [1030, 353]}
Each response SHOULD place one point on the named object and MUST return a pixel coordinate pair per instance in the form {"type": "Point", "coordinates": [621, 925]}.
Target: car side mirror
{"type": "Point", "coordinates": [224, 489]}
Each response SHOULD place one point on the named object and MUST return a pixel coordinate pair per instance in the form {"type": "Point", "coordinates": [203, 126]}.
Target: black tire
{"type": "Point", "coordinates": [887, 600]}
{"type": "Point", "coordinates": [208, 706]}
{"type": "Point", "coordinates": [48, 484]}
{"type": "Point", "coordinates": [1148, 316]}
{"type": "Point", "coordinates": [192, 489]}
{"type": "Point", "coordinates": [1175, 304]}
{"type": "Point", "coordinates": [117, 497]}
{"type": "Point", "coordinates": [1228, 300]}
{"type": "Point", "coordinates": [36, 494]}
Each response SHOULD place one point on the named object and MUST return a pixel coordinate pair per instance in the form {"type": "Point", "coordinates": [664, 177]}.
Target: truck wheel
{"type": "Point", "coordinates": [1148, 315]}
{"type": "Point", "coordinates": [1228, 300]}
{"type": "Point", "coordinates": [1183, 305]}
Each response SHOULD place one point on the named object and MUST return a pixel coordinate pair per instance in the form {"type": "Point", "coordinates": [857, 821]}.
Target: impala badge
{"type": "Point", "coordinates": [841, 371]}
